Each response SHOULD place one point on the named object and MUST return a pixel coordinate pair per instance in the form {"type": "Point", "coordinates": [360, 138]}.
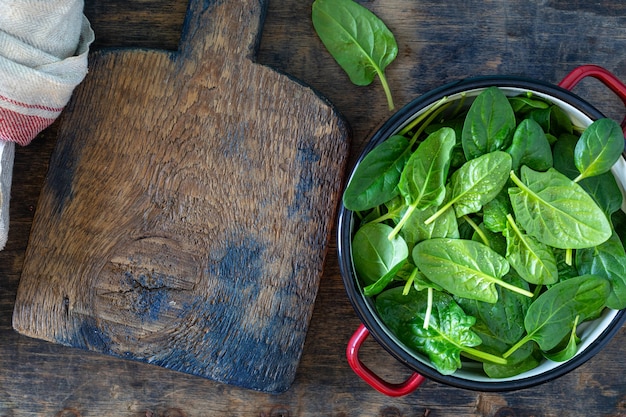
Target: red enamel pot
{"type": "Point", "coordinates": [596, 334]}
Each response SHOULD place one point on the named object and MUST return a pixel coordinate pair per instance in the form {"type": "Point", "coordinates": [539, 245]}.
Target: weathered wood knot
{"type": "Point", "coordinates": [143, 292]}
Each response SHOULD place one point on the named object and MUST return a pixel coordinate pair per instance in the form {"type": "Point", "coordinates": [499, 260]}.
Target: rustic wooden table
{"type": "Point", "coordinates": [439, 42]}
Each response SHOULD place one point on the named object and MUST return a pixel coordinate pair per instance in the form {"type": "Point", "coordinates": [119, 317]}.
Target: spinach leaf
{"type": "Point", "coordinates": [607, 260]}
{"type": "Point", "coordinates": [530, 147]}
{"type": "Point", "coordinates": [375, 180]}
{"type": "Point", "coordinates": [358, 40]}
{"type": "Point", "coordinates": [557, 211]}
{"type": "Point", "coordinates": [464, 268]}
{"type": "Point", "coordinates": [448, 334]}
{"type": "Point", "coordinates": [533, 260]}
{"type": "Point", "coordinates": [422, 183]}
{"type": "Point", "coordinates": [602, 188]}
{"type": "Point", "coordinates": [551, 316]}
{"type": "Point", "coordinates": [598, 148]}
{"type": "Point", "coordinates": [489, 124]}
{"type": "Point", "coordinates": [563, 155]}
{"type": "Point", "coordinates": [477, 182]}
{"type": "Point", "coordinates": [375, 257]}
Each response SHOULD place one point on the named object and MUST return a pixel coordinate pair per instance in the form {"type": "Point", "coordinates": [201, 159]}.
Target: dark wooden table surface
{"type": "Point", "coordinates": [439, 42]}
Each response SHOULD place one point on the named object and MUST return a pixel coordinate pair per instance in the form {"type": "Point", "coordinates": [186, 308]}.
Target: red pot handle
{"type": "Point", "coordinates": [376, 382]}
{"type": "Point", "coordinates": [601, 74]}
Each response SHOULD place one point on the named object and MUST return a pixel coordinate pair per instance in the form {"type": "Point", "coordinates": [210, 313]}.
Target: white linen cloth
{"type": "Point", "coordinates": [43, 56]}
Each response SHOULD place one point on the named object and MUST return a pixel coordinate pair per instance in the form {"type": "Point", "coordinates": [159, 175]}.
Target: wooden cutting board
{"type": "Point", "coordinates": [187, 209]}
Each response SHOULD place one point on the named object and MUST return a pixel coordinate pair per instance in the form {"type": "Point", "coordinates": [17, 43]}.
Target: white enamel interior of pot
{"type": "Point", "coordinates": [588, 331]}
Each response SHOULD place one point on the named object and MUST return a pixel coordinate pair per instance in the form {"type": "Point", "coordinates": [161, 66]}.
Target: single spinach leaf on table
{"type": "Point", "coordinates": [599, 147]}
{"type": "Point", "coordinates": [489, 124]}
{"type": "Point", "coordinates": [359, 41]}
{"type": "Point", "coordinates": [375, 257]}
{"type": "Point", "coordinates": [375, 180]}
{"type": "Point", "coordinates": [607, 260]}
{"type": "Point", "coordinates": [551, 316]}
{"type": "Point", "coordinates": [477, 182]}
{"type": "Point", "coordinates": [447, 335]}
{"type": "Point", "coordinates": [557, 211]}
{"type": "Point", "coordinates": [464, 268]}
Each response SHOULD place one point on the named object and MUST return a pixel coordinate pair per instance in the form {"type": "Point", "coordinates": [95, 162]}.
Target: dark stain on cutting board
{"type": "Point", "coordinates": [187, 210]}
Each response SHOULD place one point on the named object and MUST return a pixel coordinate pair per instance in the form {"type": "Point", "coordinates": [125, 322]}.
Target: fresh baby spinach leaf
{"type": "Point", "coordinates": [375, 180]}
{"type": "Point", "coordinates": [477, 182]}
{"type": "Point", "coordinates": [464, 268]}
{"type": "Point", "coordinates": [489, 124]}
{"type": "Point", "coordinates": [598, 148]}
{"type": "Point", "coordinates": [533, 260]}
{"type": "Point", "coordinates": [448, 334]}
{"type": "Point", "coordinates": [602, 188]}
{"type": "Point", "coordinates": [557, 211]}
{"type": "Point", "coordinates": [359, 41]}
{"type": "Point", "coordinates": [530, 147]}
{"type": "Point", "coordinates": [551, 316]}
{"type": "Point", "coordinates": [422, 183]}
{"type": "Point", "coordinates": [376, 257]}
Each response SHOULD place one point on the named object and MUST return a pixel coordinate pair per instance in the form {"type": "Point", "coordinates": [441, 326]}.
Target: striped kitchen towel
{"type": "Point", "coordinates": [43, 56]}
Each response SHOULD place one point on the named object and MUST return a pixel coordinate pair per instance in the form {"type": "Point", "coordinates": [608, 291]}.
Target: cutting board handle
{"type": "Point", "coordinates": [221, 29]}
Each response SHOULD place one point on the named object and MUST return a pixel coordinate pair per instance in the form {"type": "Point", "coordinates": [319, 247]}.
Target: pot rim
{"type": "Point", "coordinates": [344, 227]}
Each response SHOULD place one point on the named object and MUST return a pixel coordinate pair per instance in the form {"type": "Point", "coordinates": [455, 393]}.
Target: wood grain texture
{"type": "Point", "coordinates": [187, 209]}
{"type": "Point", "coordinates": [439, 42]}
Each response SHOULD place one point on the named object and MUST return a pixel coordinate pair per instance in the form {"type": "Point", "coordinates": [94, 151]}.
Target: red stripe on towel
{"type": "Point", "coordinates": [20, 128]}
{"type": "Point", "coordinates": [31, 106]}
